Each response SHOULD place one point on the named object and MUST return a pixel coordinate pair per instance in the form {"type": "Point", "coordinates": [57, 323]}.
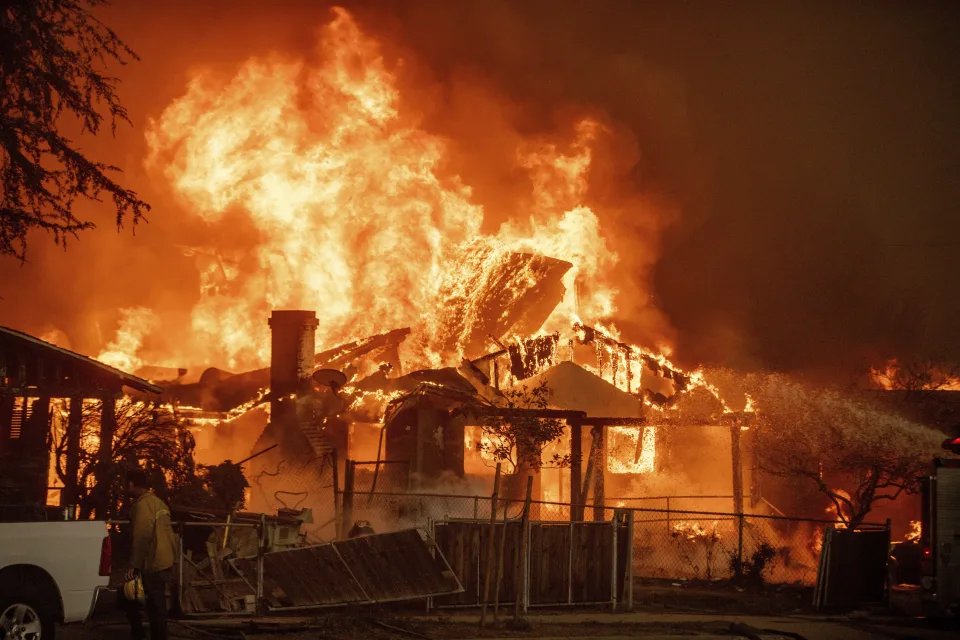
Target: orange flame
{"type": "Point", "coordinates": [890, 377]}
{"type": "Point", "coordinates": [915, 530]}
{"type": "Point", "coordinates": [353, 211]}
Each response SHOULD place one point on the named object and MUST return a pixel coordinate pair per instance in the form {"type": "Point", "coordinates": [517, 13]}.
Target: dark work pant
{"type": "Point", "coordinates": [155, 590]}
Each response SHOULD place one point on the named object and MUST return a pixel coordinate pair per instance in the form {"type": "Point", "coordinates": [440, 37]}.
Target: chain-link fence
{"type": "Point", "coordinates": [385, 476]}
{"type": "Point", "coordinates": [666, 543]}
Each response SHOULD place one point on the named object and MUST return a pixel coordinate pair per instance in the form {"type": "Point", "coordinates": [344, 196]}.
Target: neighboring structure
{"type": "Point", "coordinates": [32, 373]}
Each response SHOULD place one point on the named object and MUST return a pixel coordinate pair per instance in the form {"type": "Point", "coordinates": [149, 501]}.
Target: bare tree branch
{"type": "Point", "coordinates": [853, 453]}
{"type": "Point", "coordinates": [52, 56]}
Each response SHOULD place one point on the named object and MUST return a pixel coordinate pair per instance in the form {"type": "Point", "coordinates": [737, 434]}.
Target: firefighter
{"type": "Point", "coordinates": [152, 557]}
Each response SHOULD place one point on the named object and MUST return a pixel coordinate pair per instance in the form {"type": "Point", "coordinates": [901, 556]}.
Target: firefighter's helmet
{"type": "Point", "coordinates": [133, 590]}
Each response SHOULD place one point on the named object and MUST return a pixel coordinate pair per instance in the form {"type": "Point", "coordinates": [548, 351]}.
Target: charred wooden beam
{"type": "Point", "coordinates": [490, 356]}
{"type": "Point", "coordinates": [576, 476]}
{"type": "Point", "coordinates": [108, 427]}
{"type": "Point", "coordinates": [559, 414]}
{"type": "Point", "coordinates": [599, 449]}
{"type": "Point", "coordinates": [506, 293]}
{"type": "Point", "coordinates": [614, 422]}
{"type": "Point", "coordinates": [588, 335]}
{"type": "Point", "coordinates": [74, 423]}
{"type": "Point", "coordinates": [339, 355]}
{"type": "Point", "coordinates": [530, 356]}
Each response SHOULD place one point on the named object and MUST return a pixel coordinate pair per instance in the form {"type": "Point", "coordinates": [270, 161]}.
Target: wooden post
{"type": "Point", "coordinates": [615, 521]}
{"type": "Point", "coordinates": [39, 449]}
{"type": "Point", "coordinates": [599, 468]}
{"type": "Point", "coordinates": [261, 549]}
{"type": "Point", "coordinates": [108, 426]}
{"type": "Point", "coordinates": [523, 586]}
{"type": "Point", "coordinates": [6, 418]}
{"type": "Point", "coordinates": [503, 546]}
{"type": "Point", "coordinates": [737, 492]}
{"type": "Point", "coordinates": [336, 492]}
{"type": "Point", "coordinates": [346, 521]}
{"type": "Point", "coordinates": [737, 468]}
{"type": "Point", "coordinates": [587, 480]}
{"type": "Point", "coordinates": [576, 460]}
{"type": "Point", "coordinates": [756, 493]}
{"type": "Point", "coordinates": [629, 559]}
{"type": "Point", "coordinates": [491, 546]}
{"type": "Point", "coordinates": [74, 425]}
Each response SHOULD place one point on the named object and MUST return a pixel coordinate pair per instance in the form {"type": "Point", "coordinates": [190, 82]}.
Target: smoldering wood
{"type": "Point", "coordinates": [490, 356]}
{"type": "Point", "coordinates": [221, 391]}
{"type": "Point", "coordinates": [584, 491]}
{"type": "Point", "coordinates": [530, 356]}
{"type": "Point", "coordinates": [576, 460]}
{"type": "Point", "coordinates": [517, 298]}
{"type": "Point", "coordinates": [339, 355]}
{"type": "Point", "coordinates": [599, 449]}
{"type": "Point", "coordinates": [591, 335]}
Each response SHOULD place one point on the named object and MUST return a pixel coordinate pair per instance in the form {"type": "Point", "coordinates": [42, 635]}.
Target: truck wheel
{"type": "Point", "coordinates": [24, 616]}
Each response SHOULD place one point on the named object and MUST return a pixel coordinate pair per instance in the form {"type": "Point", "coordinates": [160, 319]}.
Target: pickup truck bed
{"type": "Point", "coordinates": [58, 563]}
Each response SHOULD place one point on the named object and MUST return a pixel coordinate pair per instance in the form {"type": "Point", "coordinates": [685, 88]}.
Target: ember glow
{"type": "Point", "coordinates": [631, 452]}
{"type": "Point", "coordinates": [353, 210]}
{"type": "Point", "coordinates": [913, 535]}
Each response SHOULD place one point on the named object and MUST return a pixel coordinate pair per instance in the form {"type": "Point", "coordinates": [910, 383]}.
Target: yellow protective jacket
{"type": "Point", "coordinates": [154, 545]}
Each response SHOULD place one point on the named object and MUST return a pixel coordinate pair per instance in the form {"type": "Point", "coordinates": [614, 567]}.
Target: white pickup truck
{"type": "Point", "coordinates": [50, 572]}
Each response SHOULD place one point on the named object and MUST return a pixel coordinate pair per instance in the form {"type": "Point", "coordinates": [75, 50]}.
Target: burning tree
{"type": "Point", "coordinates": [856, 455]}
{"type": "Point", "coordinates": [918, 375]}
{"type": "Point", "coordinates": [51, 65]}
{"type": "Point", "coordinates": [516, 437]}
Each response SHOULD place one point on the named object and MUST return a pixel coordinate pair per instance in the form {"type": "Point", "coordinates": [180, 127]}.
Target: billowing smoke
{"type": "Point", "coordinates": [799, 159]}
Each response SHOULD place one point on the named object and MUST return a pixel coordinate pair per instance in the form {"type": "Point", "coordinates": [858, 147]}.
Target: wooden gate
{"type": "Point", "coordinates": [565, 563]}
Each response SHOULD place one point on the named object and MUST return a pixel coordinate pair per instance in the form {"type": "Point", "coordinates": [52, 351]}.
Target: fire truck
{"type": "Point", "coordinates": [940, 535]}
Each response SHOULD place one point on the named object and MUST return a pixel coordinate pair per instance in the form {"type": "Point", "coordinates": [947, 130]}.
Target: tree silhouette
{"type": "Point", "coordinates": [854, 453]}
{"type": "Point", "coordinates": [53, 55]}
{"type": "Point", "coordinates": [517, 438]}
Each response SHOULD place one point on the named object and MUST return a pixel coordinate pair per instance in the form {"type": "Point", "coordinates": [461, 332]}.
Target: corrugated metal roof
{"type": "Point", "coordinates": [384, 567]}
{"type": "Point", "coordinates": [126, 379]}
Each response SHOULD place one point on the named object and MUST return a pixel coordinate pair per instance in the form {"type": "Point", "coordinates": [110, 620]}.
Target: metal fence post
{"type": "Point", "coordinates": [261, 548]}
{"type": "Point", "coordinates": [476, 507]}
{"type": "Point", "coordinates": [629, 559]}
{"type": "Point", "coordinates": [432, 530]}
{"type": "Point", "coordinates": [570, 567]}
{"type": "Point", "coordinates": [526, 566]}
{"type": "Point", "coordinates": [346, 510]}
{"type": "Point", "coordinates": [180, 568]}
{"type": "Point", "coordinates": [613, 571]}
{"type": "Point", "coordinates": [668, 514]}
{"type": "Point", "coordinates": [739, 565]}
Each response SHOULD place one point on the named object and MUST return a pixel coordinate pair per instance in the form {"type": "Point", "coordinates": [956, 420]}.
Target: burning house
{"type": "Point", "coordinates": [44, 386]}
{"type": "Point", "coordinates": [423, 429]}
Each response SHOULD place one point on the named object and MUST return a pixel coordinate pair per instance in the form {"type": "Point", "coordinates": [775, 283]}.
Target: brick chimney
{"type": "Point", "coordinates": [292, 350]}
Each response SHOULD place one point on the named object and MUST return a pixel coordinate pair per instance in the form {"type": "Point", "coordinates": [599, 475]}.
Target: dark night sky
{"type": "Point", "coordinates": [813, 149]}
